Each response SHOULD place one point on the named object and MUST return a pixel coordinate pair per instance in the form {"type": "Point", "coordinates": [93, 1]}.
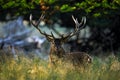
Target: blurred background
{"type": "Point", "coordinates": [99, 37]}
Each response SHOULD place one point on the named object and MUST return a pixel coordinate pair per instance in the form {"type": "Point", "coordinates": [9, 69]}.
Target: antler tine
{"type": "Point", "coordinates": [76, 23]}
{"type": "Point", "coordinates": [32, 21]}
{"type": "Point", "coordinates": [83, 22]}
{"type": "Point", "coordinates": [36, 24]}
{"type": "Point", "coordinates": [78, 26]}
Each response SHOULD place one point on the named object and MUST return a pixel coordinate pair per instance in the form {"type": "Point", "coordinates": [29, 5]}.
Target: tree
{"type": "Point", "coordinates": [103, 16]}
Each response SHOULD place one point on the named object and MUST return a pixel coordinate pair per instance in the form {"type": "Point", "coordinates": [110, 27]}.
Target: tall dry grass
{"type": "Point", "coordinates": [25, 68]}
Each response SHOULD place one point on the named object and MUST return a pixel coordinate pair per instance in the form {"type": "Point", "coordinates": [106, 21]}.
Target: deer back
{"type": "Point", "coordinates": [79, 57]}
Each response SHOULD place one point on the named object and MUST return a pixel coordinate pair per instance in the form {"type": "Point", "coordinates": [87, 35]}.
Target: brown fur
{"type": "Point", "coordinates": [57, 52]}
{"type": "Point", "coordinates": [78, 58]}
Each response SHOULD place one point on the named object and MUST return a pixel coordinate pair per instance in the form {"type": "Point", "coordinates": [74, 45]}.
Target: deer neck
{"type": "Point", "coordinates": [59, 52]}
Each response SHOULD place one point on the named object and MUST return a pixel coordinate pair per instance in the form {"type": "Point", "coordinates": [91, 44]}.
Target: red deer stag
{"type": "Point", "coordinates": [57, 51]}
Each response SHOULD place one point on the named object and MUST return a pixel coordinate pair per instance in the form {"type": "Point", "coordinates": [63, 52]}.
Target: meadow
{"type": "Point", "coordinates": [26, 68]}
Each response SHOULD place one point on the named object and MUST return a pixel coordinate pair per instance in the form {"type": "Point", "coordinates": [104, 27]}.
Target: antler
{"type": "Point", "coordinates": [36, 25]}
{"type": "Point", "coordinates": [78, 27]}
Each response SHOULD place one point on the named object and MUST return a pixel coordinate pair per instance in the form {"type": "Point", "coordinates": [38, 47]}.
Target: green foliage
{"type": "Point", "coordinates": [94, 10]}
{"type": "Point", "coordinates": [15, 3]}
{"type": "Point", "coordinates": [50, 1]}
{"type": "Point", "coordinates": [66, 8]}
{"type": "Point", "coordinates": [18, 6]}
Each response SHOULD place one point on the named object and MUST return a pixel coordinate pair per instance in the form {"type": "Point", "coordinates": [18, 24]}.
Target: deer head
{"type": "Point", "coordinates": [56, 43]}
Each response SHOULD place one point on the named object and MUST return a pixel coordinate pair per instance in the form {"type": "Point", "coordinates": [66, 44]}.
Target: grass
{"type": "Point", "coordinates": [37, 69]}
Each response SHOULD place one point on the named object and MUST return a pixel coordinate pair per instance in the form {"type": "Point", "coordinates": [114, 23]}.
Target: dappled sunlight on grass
{"type": "Point", "coordinates": [37, 69]}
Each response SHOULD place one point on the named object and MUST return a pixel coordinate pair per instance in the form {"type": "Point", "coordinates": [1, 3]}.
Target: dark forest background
{"type": "Point", "coordinates": [103, 18]}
